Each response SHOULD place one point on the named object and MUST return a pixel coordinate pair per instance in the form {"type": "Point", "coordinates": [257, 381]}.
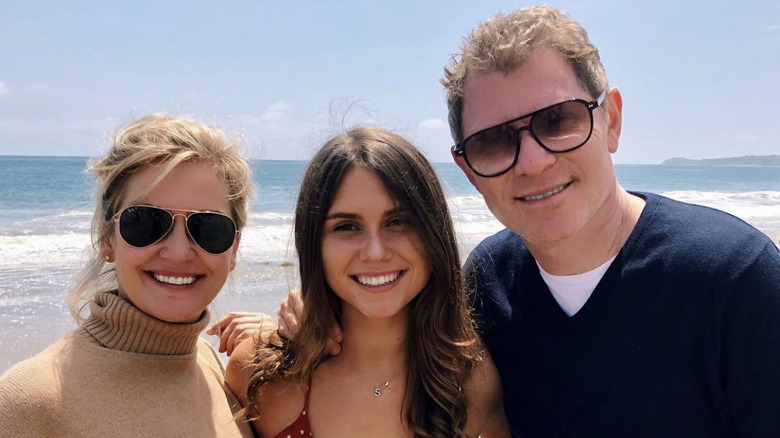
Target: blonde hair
{"type": "Point", "coordinates": [159, 140]}
{"type": "Point", "coordinates": [504, 42]}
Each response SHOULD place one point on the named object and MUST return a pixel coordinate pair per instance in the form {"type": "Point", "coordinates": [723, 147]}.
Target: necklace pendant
{"type": "Point", "coordinates": [377, 391]}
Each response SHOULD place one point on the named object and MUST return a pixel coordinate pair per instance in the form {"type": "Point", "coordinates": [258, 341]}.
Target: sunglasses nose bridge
{"type": "Point", "coordinates": [185, 218]}
{"type": "Point", "coordinates": [517, 134]}
{"type": "Point", "coordinates": [535, 157]}
{"type": "Point", "coordinates": [173, 241]}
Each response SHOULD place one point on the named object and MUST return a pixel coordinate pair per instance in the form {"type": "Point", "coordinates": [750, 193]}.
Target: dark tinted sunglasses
{"type": "Point", "coordinates": [558, 128]}
{"type": "Point", "coordinates": [144, 225]}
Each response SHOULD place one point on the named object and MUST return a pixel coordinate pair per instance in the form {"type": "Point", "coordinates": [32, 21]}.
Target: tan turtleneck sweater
{"type": "Point", "coordinates": [121, 374]}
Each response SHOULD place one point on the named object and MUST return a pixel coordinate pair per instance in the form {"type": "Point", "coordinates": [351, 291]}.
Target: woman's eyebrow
{"type": "Point", "coordinates": [339, 215]}
{"type": "Point", "coordinates": [396, 210]}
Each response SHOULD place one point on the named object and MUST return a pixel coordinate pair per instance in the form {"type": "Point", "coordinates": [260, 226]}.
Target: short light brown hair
{"type": "Point", "coordinates": [155, 140]}
{"type": "Point", "coordinates": [504, 42]}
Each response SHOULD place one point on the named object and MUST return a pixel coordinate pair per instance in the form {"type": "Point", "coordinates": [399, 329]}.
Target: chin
{"type": "Point", "coordinates": [179, 316]}
{"type": "Point", "coordinates": [547, 236]}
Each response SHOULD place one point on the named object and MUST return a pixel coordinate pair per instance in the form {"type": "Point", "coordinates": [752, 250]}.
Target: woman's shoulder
{"type": "Point", "coordinates": [280, 405]}
{"type": "Point", "coordinates": [40, 368]}
{"type": "Point", "coordinates": [209, 357]}
{"type": "Point", "coordinates": [280, 402]}
{"type": "Point", "coordinates": [484, 384]}
{"type": "Point", "coordinates": [30, 393]}
{"type": "Point", "coordinates": [485, 400]}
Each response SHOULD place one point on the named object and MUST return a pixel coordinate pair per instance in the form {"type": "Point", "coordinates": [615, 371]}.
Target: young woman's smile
{"type": "Point", "coordinates": [374, 260]}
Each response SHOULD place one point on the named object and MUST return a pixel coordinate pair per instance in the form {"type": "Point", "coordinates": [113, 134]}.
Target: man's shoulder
{"type": "Point", "coordinates": [694, 236]}
{"type": "Point", "coordinates": [503, 246]}
{"type": "Point", "coordinates": [497, 266]}
{"type": "Point", "coordinates": [695, 220]}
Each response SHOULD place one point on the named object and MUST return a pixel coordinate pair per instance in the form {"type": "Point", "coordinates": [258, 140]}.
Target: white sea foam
{"type": "Point", "coordinates": [760, 209]}
{"type": "Point", "coordinates": [60, 240]}
{"type": "Point", "coordinates": [42, 250]}
{"type": "Point", "coordinates": [41, 255]}
{"type": "Point", "coordinates": [27, 223]}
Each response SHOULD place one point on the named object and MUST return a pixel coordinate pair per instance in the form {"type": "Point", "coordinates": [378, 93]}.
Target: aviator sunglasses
{"type": "Point", "coordinates": [144, 225]}
{"type": "Point", "coordinates": [558, 128]}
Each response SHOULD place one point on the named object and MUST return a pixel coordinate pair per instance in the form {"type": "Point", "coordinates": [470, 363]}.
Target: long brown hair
{"type": "Point", "coordinates": [442, 346]}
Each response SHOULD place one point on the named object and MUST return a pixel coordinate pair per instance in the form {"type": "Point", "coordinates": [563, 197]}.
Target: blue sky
{"type": "Point", "coordinates": [699, 79]}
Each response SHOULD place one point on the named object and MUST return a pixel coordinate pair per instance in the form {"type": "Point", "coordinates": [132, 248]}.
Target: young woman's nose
{"type": "Point", "coordinates": [374, 247]}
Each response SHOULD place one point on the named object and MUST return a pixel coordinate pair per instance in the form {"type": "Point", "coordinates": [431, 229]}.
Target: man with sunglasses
{"type": "Point", "coordinates": [607, 313]}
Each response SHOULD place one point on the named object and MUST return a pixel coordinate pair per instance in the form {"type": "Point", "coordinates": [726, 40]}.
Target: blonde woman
{"type": "Point", "coordinates": [172, 198]}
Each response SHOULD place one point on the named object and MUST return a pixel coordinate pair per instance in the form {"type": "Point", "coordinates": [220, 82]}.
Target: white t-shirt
{"type": "Point", "coordinates": [572, 291]}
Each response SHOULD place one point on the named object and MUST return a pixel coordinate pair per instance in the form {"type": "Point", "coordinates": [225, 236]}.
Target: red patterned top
{"type": "Point", "coordinates": [300, 427]}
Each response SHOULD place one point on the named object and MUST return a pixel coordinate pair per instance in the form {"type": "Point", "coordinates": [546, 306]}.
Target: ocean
{"type": "Point", "coordinates": [46, 205]}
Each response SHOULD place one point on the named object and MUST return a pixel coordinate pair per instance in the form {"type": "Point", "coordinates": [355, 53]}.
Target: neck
{"type": "Point", "coordinates": [377, 344]}
{"type": "Point", "coordinates": [118, 325]}
{"type": "Point", "coordinates": [600, 239]}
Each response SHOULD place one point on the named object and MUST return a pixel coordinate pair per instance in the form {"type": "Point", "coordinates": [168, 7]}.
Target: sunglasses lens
{"type": "Point", "coordinates": [141, 225]}
{"type": "Point", "coordinates": [214, 233]}
{"type": "Point", "coordinates": [491, 151]}
{"type": "Point", "coordinates": [563, 126]}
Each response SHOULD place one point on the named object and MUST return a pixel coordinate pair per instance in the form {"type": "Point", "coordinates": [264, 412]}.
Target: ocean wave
{"type": "Point", "coordinates": [62, 239]}
{"type": "Point", "coordinates": [749, 206]}
{"type": "Point", "coordinates": [35, 223]}
{"type": "Point", "coordinates": [269, 218]}
{"type": "Point", "coordinates": [65, 249]}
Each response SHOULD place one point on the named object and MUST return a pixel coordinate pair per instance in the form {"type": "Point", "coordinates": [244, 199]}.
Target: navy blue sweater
{"type": "Point", "coordinates": [681, 337]}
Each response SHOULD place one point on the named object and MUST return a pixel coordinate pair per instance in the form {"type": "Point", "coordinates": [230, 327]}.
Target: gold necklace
{"type": "Point", "coordinates": [377, 388]}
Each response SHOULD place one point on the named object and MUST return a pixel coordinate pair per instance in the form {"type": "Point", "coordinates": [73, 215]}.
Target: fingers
{"type": "Point", "coordinates": [223, 322]}
{"type": "Point", "coordinates": [288, 326]}
{"type": "Point", "coordinates": [333, 346]}
{"type": "Point", "coordinates": [233, 338]}
{"type": "Point", "coordinates": [287, 315]}
{"type": "Point", "coordinates": [296, 300]}
{"type": "Point", "coordinates": [246, 328]}
{"type": "Point", "coordinates": [237, 326]}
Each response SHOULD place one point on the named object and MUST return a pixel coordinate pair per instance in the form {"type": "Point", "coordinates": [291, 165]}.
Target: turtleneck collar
{"type": "Point", "coordinates": [116, 324]}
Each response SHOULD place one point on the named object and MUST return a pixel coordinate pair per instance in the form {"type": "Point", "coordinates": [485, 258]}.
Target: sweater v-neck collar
{"type": "Point", "coordinates": [116, 324]}
{"type": "Point", "coordinates": [605, 286]}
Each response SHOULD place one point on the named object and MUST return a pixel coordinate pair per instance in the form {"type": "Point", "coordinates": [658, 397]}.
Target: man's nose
{"type": "Point", "coordinates": [532, 158]}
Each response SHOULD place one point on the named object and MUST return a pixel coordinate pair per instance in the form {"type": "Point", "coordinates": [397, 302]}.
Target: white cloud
{"type": "Point", "coordinates": [772, 28]}
{"type": "Point", "coordinates": [37, 88]}
{"type": "Point", "coordinates": [276, 133]}
{"type": "Point", "coordinates": [433, 124]}
{"type": "Point", "coordinates": [53, 135]}
{"type": "Point", "coordinates": [746, 138]}
{"type": "Point", "coordinates": [433, 137]}
{"type": "Point", "coordinates": [276, 112]}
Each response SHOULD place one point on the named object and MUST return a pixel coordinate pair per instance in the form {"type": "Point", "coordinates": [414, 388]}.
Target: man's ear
{"type": "Point", "coordinates": [464, 167]}
{"type": "Point", "coordinates": [614, 118]}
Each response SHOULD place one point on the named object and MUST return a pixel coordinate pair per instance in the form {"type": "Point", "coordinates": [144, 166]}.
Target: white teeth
{"type": "Point", "coordinates": [377, 281]}
{"type": "Point", "coordinates": [174, 280]}
{"type": "Point", "coordinates": [543, 195]}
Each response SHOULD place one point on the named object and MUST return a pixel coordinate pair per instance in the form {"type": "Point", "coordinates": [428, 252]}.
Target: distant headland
{"type": "Point", "coordinates": [748, 160]}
